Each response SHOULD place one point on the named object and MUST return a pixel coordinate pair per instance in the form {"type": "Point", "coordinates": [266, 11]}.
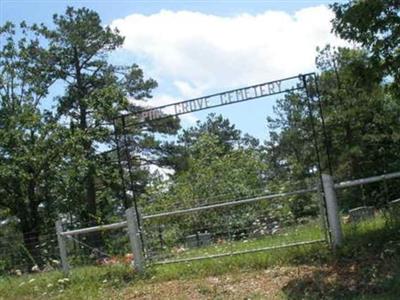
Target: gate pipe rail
{"type": "Point", "coordinates": [231, 203]}
{"type": "Point", "coordinates": [95, 228]}
{"type": "Point", "coordinates": [188, 259]}
{"type": "Point", "coordinates": [340, 185]}
{"type": "Point", "coordinates": [362, 181]}
{"type": "Point", "coordinates": [134, 229]}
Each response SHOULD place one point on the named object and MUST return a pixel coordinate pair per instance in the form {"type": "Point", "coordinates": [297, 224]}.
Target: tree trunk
{"type": "Point", "coordinates": [91, 193]}
{"type": "Point", "coordinates": [29, 217]}
{"type": "Point", "coordinates": [95, 239]}
{"type": "Point", "coordinates": [89, 217]}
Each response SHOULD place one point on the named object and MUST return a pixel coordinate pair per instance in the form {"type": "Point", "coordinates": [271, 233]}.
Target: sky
{"type": "Point", "coordinates": [196, 48]}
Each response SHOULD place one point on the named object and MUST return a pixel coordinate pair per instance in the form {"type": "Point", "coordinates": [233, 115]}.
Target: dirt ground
{"type": "Point", "coordinates": [346, 279]}
{"type": "Point", "coordinates": [265, 284]}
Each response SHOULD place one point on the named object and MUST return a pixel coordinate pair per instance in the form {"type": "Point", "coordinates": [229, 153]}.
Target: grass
{"type": "Point", "coordinates": [83, 283]}
{"type": "Point", "coordinates": [295, 234]}
{"type": "Point", "coordinates": [368, 267]}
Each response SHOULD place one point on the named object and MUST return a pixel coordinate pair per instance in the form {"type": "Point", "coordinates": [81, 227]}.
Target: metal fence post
{"type": "Point", "coordinates": [134, 238]}
{"type": "Point", "coordinates": [334, 223]}
{"type": "Point", "coordinates": [62, 247]}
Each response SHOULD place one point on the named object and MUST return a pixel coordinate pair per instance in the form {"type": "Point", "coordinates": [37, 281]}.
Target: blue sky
{"type": "Point", "coordinates": [195, 48]}
{"type": "Point", "coordinates": [42, 11]}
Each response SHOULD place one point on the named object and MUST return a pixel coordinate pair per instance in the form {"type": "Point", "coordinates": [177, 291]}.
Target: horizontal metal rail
{"type": "Point", "coordinates": [95, 228]}
{"type": "Point", "coordinates": [173, 261]}
{"type": "Point", "coordinates": [350, 183]}
{"type": "Point", "coordinates": [231, 203]}
{"type": "Point", "coordinates": [340, 185]}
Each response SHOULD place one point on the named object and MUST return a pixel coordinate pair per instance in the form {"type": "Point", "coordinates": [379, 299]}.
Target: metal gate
{"type": "Point", "coordinates": [258, 221]}
{"type": "Point", "coordinates": [248, 225]}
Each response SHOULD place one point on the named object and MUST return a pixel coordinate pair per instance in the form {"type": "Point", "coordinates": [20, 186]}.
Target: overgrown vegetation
{"type": "Point", "coordinates": [367, 267]}
{"type": "Point", "coordinates": [51, 163]}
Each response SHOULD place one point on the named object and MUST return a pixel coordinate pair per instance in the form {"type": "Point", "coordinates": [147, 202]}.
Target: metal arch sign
{"type": "Point", "coordinates": [221, 99]}
{"type": "Point", "coordinates": [286, 85]}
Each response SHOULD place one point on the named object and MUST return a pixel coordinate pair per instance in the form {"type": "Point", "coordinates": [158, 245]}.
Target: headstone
{"type": "Point", "coordinates": [198, 240]}
{"type": "Point", "coordinates": [191, 241]}
{"type": "Point", "coordinates": [361, 213]}
{"type": "Point", "coordinates": [204, 239]}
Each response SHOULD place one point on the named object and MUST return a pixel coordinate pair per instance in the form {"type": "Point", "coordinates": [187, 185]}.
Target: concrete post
{"type": "Point", "coordinates": [62, 247]}
{"type": "Point", "coordinates": [334, 223]}
{"type": "Point", "coordinates": [134, 238]}
{"type": "Point", "coordinates": [322, 212]}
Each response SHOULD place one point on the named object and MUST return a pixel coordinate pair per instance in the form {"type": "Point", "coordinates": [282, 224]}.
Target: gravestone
{"type": "Point", "coordinates": [198, 240]}
{"type": "Point", "coordinates": [191, 241]}
{"type": "Point", "coordinates": [361, 213]}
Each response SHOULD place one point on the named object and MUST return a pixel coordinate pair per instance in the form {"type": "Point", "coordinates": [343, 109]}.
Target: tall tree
{"type": "Point", "coordinates": [30, 139]}
{"type": "Point", "coordinates": [375, 24]}
{"type": "Point", "coordinates": [95, 92]}
{"type": "Point", "coordinates": [360, 120]}
{"type": "Point", "coordinates": [227, 136]}
{"type": "Point", "coordinates": [354, 99]}
{"type": "Point", "coordinates": [225, 132]}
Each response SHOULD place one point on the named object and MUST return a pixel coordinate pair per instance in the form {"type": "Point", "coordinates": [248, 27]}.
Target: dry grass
{"type": "Point", "coordinates": [262, 284]}
{"type": "Point", "coordinates": [368, 267]}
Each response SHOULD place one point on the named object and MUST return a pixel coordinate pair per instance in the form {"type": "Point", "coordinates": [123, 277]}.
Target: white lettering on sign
{"type": "Point", "coordinates": [243, 94]}
{"type": "Point", "coordinates": [270, 88]}
{"type": "Point", "coordinates": [151, 114]}
{"type": "Point", "coordinates": [192, 105]}
{"type": "Point", "coordinates": [250, 92]}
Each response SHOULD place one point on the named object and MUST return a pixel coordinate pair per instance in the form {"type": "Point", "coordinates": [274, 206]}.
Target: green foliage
{"type": "Point", "coordinates": [368, 269]}
{"type": "Point", "coordinates": [50, 162]}
{"type": "Point", "coordinates": [361, 120]}
{"type": "Point", "coordinates": [361, 127]}
{"type": "Point", "coordinates": [95, 92]}
{"type": "Point", "coordinates": [219, 165]}
{"type": "Point", "coordinates": [49, 159]}
{"type": "Point", "coordinates": [226, 135]}
{"type": "Point", "coordinates": [376, 25]}
{"type": "Point", "coordinates": [30, 139]}
{"type": "Point", "coordinates": [214, 174]}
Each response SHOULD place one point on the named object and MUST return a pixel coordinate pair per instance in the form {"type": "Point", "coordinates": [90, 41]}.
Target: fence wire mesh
{"type": "Point", "coordinates": [247, 227]}
{"type": "Point", "coordinates": [370, 207]}
{"type": "Point", "coordinates": [19, 254]}
{"type": "Point", "coordinates": [100, 248]}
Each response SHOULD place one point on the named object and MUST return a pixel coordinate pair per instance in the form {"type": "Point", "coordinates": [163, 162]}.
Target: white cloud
{"type": "Point", "coordinates": [198, 51]}
{"type": "Point", "coordinates": [188, 90]}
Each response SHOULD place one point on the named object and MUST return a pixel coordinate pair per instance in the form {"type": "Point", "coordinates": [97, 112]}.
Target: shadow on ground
{"type": "Point", "coordinates": [367, 268]}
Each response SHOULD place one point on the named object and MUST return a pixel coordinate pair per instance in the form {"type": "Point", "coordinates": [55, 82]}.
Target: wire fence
{"type": "Point", "coordinates": [21, 255]}
{"type": "Point", "coordinates": [247, 225]}
{"type": "Point", "coordinates": [213, 193]}
{"type": "Point", "coordinates": [263, 222]}
{"type": "Point", "coordinates": [370, 206]}
{"type": "Point", "coordinates": [99, 248]}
